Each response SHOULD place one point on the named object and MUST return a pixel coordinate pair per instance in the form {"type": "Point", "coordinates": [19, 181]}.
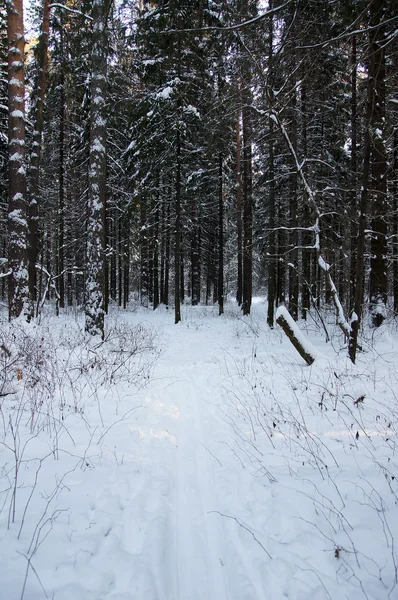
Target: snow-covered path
{"type": "Point", "coordinates": [188, 541]}
{"type": "Point", "coordinates": [191, 384]}
{"type": "Point", "coordinates": [236, 473]}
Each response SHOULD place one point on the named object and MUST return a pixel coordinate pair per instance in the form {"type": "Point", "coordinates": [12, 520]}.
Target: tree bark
{"type": "Point", "coordinates": [293, 212]}
{"type": "Point", "coordinates": [247, 212]}
{"type": "Point", "coordinates": [61, 205]}
{"type": "Point", "coordinates": [195, 256]}
{"type": "Point", "coordinates": [97, 174]}
{"type": "Point", "coordinates": [220, 237]}
{"type": "Point", "coordinates": [239, 289]}
{"type": "Point", "coordinates": [156, 259]}
{"type": "Point", "coordinates": [126, 260]}
{"type": "Point", "coordinates": [354, 168]}
{"type": "Point", "coordinates": [18, 280]}
{"type": "Point", "coordinates": [378, 245]}
{"type": "Point", "coordinates": [289, 327]}
{"type": "Point", "coordinates": [271, 226]}
{"type": "Point", "coordinates": [177, 235]}
{"type": "Point", "coordinates": [33, 247]}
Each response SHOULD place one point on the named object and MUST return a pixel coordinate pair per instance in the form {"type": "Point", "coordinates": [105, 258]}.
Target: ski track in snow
{"type": "Point", "coordinates": [178, 506]}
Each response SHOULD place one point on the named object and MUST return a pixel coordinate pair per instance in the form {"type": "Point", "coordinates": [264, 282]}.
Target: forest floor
{"type": "Point", "coordinates": [198, 461]}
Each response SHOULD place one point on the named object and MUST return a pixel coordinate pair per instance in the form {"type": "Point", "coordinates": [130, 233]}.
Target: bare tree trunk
{"type": "Point", "coordinates": [378, 245]}
{"type": "Point", "coordinates": [271, 250]}
{"type": "Point", "coordinates": [126, 260]}
{"type": "Point", "coordinates": [61, 205]}
{"type": "Point", "coordinates": [156, 259]}
{"type": "Point", "coordinates": [177, 236]}
{"type": "Point", "coordinates": [395, 218]}
{"type": "Point", "coordinates": [119, 260]}
{"type": "Point", "coordinates": [271, 226]}
{"type": "Point", "coordinates": [293, 212]}
{"type": "Point", "coordinates": [97, 174]}
{"type": "Point", "coordinates": [306, 287]}
{"type": "Point", "coordinates": [18, 281]}
{"type": "Point", "coordinates": [359, 276]}
{"type": "Point", "coordinates": [33, 247]}
{"type": "Point", "coordinates": [182, 278]}
{"type": "Point", "coordinates": [239, 290]}
{"type": "Point", "coordinates": [195, 255]}
{"type": "Point", "coordinates": [144, 259]}
{"type": "Point", "coordinates": [354, 168]}
{"type": "Point", "coordinates": [107, 221]}
{"type": "Point", "coordinates": [373, 150]}
{"type": "Point", "coordinates": [247, 212]}
{"type": "Point", "coordinates": [167, 258]}
{"type": "Point", "coordinates": [113, 263]}
{"type": "Point", "coordinates": [220, 237]}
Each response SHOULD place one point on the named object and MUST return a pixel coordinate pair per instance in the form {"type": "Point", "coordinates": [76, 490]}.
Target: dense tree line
{"type": "Point", "coordinates": [184, 151]}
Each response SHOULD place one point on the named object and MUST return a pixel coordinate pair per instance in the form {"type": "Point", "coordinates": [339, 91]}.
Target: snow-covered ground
{"type": "Point", "coordinates": [199, 461]}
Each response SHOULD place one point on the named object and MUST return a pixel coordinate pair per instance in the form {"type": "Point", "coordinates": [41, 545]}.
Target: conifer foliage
{"type": "Point", "coordinates": [193, 151]}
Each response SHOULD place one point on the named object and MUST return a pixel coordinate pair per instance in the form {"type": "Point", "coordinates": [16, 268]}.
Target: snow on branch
{"type": "Point", "coordinates": [71, 10]}
{"type": "Point", "coordinates": [342, 321]}
{"type": "Point", "coordinates": [232, 27]}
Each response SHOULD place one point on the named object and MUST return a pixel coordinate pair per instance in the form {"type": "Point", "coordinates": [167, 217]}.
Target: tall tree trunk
{"type": "Point", "coordinates": [195, 256]}
{"type": "Point", "coordinates": [239, 289]}
{"type": "Point", "coordinates": [97, 173]}
{"type": "Point", "coordinates": [144, 263]}
{"type": "Point", "coordinates": [126, 260]}
{"type": "Point", "coordinates": [395, 218]}
{"type": "Point", "coordinates": [18, 280]}
{"type": "Point", "coordinates": [61, 205]}
{"type": "Point", "coordinates": [182, 278]}
{"type": "Point", "coordinates": [220, 236]}
{"type": "Point", "coordinates": [271, 226]}
{"type": "Point", "coordinates": [162, 252]}
{"type": "Point", "coordinates": [120, 260]}
{"type": "Point", "coordinates": [156, 259]}
{"type": "Point", "coordinates": [167, 258]}
{"type": "Point", "coordinates": [247, 212]}
{"type": "Point", "coordinates": [177, 235]}
{"type": "Point", "coordinates": [107, 226]}
{"type": "Point", "coordinates": [306, 290]}
{"type": "Point", "coordinates": [378, 246]}
{"type": "Point", "coordinates": [354, 169]}
{"type": "Point", "coordinates": [271, 250]}
{"type": "Point", "coordinates": [33, 246]}
{"type": "Point", "coordinates": [113, 262]}
{"type": "Point", "coordinates": [293, 212]}
{"type": "Point", "coordinates": [360, 264]}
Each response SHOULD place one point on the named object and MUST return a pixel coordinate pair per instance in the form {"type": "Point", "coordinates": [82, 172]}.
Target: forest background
{"type": "Point", "coordinates": [192, 151]}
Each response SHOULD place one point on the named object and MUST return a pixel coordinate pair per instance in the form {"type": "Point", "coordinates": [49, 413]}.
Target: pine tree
{"type": "Point", "coordinates": [94, 305]}
{"type": "Point", "coordinates": [18, 288]}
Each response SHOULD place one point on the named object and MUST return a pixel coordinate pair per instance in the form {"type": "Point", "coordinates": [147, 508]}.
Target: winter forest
{"type": "Point", "coordinates": [198, 299]}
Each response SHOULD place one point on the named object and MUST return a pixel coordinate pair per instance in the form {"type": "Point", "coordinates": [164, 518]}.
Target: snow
{"type": "Point", "coordinates": [305, 343]}
{"type": "Point", "coordinates": [164, 94]}
{"type": "Point", "coordinates": [17, 215]}
{"type": "Point", "coordinates": [323, 264]}
{"type": "Point", "coordinates": [192, 110]}
{"type": "Point", "coordinates": [17, 156]}
{"type": "Point", "coordinates": [210, 465]}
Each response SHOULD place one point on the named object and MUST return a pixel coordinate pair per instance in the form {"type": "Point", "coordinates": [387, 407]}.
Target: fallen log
{"type": "Point", "coordinates": [290, 328]}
